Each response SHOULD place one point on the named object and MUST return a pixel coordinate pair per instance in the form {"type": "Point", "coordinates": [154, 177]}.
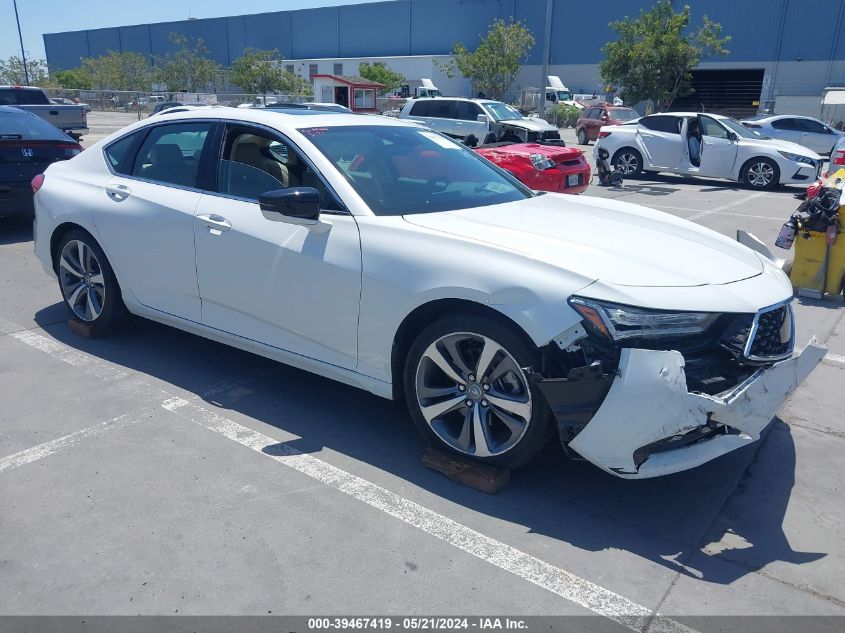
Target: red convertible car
{"type": "Point", "coordinates": [541, 167]}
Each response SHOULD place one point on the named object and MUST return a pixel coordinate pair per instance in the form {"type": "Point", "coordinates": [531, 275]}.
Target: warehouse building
{"type": "Point", "coordinates": [783, 53]}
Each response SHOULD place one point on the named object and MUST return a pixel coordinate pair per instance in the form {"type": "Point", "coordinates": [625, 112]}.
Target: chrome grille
{"type": "Point", "coordinates": [763, 337]}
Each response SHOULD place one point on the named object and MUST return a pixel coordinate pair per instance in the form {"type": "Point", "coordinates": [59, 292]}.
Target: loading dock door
{"type": "Point", "coordinates": [732, 92]}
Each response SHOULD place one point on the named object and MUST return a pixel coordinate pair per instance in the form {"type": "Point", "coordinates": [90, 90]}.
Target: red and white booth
{"type": "Point", "coordinates": [356, 93]}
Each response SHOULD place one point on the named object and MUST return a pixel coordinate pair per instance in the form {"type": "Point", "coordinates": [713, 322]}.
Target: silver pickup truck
{"type": "Point", "coordinates": [69, 118]}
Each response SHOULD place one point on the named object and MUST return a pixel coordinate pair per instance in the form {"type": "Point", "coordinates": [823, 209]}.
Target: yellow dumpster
{"type": "Point", "coordinates": [808, 268]}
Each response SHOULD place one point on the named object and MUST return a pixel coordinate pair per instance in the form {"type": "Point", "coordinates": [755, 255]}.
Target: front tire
{"type": "Point", "coordinates": [468, 394]}
{"type": "Point", "coordinates": [760, 173]}
{"type": "Point", "coordinates": [628, 162]}
{"type": "Point", "coordinates": [582, 137]}
{"type": "Point", "coordinates": [89, 288]}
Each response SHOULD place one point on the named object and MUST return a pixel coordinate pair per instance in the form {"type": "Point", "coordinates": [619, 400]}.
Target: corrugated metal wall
{"type": "Point", "coordinates": [775, 30]}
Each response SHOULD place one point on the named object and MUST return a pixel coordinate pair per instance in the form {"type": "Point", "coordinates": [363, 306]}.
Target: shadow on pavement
{"type": "Point", "coordinates": [15, 230]}
{"type": "Point", "coordinates": [697, 523]}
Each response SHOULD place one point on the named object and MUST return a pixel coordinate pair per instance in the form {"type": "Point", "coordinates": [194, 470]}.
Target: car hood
{"type": "Point", "coordinates": [533, 124]}
{"type": "Point", "coordinates": [615, 242]}
{"type": "Point", "coordinates": [554, 152]}
{"type": "Point", "coordinates": [787, 146]}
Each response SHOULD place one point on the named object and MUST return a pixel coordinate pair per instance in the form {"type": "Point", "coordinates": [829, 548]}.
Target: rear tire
{"type": "Point", "coordinates": [628, 162]}
{"type": "Point", "coordinates": [498, 418]}
{"type": "Point", "coordinates": [88, 284]}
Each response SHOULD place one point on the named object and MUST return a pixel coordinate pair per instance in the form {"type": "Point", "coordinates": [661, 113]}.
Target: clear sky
{"type": "Point", "coordinates": [52, 16]}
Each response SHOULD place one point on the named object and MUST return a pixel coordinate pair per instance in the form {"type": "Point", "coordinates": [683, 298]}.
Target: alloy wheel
{"type": "Point", "coordinates": [627, 163]}
{"type": "Point", "coordinates": [82, 281]}
{"type": "Point", "coordinates": [760, 174]}
{"type": "Point", "coordinates": [473, 394]}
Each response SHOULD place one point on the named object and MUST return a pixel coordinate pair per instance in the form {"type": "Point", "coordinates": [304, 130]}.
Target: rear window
{"type": "Point", "coordinates": [19, 96]}
{"type": "Point", "coordinates": [623, 114]}
{"type": "Point", "coordinates": [28, 126]}
{"type": "Point", "coordinates": [117, 153]}
{"type": "Point", "coordinates": [670, 124]}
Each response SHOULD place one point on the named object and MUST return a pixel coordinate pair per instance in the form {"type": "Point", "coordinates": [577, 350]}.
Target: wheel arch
{"type": "Point", "coordinates": [59, 232]}
{"type": "Point", "coordinates": [427, 313]}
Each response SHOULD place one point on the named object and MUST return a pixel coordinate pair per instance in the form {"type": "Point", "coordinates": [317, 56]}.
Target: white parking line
{"type": "Point", "coordinates": [698, 212]}
{"type": "Point", "coordinates": [545, 575]}
{"type": "Point", "coordinates": [834, 359]}
{"type": "Point", "coordinates": [728, 205]}
{"type": "Point", "coordinates": [66, 441]}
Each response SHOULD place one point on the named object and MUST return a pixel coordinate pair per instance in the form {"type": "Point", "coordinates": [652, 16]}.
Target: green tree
{"type": "Point", "coordinates": [258, 71]}
{"type": "Point", "coordinates": [295, 85]}
{"type": "Point", "coordinates": [655, 53]}
{"type": "Point", "coordinates": [381, 74]}
{"type": "Point", "coordinates": [493, 65]}
{"type": "Point", "coordinates": [11, 71]}
{"type": "Point", "coordinates": [74, 79]}
{"type": "Point", "coordinates": [189, 67]}
{"type": "Point", "coordinates": [118, 71]}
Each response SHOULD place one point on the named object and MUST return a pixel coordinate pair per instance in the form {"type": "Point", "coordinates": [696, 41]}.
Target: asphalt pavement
{"type": "Point", "coordinates": [155, 472]}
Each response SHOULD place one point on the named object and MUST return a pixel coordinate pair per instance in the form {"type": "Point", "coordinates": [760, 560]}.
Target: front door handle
{"type": "Point", "coordinates": [118, 192]}
{"type": "Point", "coordinates": [215, 222]}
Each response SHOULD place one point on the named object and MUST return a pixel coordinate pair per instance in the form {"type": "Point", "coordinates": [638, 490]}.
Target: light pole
{"type": "Point", "coordinates": [20, 38]}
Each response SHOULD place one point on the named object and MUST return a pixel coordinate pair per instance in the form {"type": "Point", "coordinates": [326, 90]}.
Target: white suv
{"type": "Point", "coordinates": [727, 149]}
{"type": "Point", "coordinates": [488, 121]}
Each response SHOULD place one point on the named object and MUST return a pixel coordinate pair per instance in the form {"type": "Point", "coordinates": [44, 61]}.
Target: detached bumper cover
{"type": "Point", "coordinates": [648, 405]}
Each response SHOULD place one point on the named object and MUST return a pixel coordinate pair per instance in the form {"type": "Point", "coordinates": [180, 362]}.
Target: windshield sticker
{"type": "Point", "coordinates": [314, 131]}
{"type": "Point", "coordinates": [442, 142]}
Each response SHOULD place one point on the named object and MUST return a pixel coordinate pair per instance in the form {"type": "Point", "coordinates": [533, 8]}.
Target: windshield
{"type": "Point", "coordinates": [623, 114]}
{"type": "Point", "coordinates": [501, 112]}
{"type": "Point", "coordinates": [564, 95]}
{"type": "Point", "coordinates": [407, 170]}
{"type": "Point", "coordinates": [739, 128]}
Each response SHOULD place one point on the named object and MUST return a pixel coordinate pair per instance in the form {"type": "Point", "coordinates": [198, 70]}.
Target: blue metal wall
{"type": "Point", "coordinates": [777, 30]}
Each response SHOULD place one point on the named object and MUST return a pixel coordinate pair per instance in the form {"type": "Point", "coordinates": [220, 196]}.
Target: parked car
{"type": "Point", "coordinates": [593, 117]}
{"type": "Point", "coordinates": [411, 267]}
{"type": "Point", "coordinates": [66, 101]}
{"type": "Point", "coordinates": [541, 167]}
{"type": "Point", "coordinates": [28, 145]}
{"type": "Point", "coordinates": [837, 156]}
{"type": "Point", "coordinates": [68, 118]}
{"type": "Point", "coordinates": [803, 130]}
{"type": "Point", "coordinates": [167, 106]}
{"type": "Point", "coordinates": [661, 143]}
{"type": "Point", "coordinates": [334, 107]}
{"type": "Point", "coordinates": [485, 120]}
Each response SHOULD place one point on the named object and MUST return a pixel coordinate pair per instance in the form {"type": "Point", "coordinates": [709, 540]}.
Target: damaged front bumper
{"type": "Point", "coordinates": [644, 422]}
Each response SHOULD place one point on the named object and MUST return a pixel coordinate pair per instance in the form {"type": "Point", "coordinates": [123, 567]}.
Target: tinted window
{"type": "Point", "coordinates": [405, 170]}
{"type": "Point", "coordinates": [623, 114]}
{"type": "Point", "coordinates": [808, 125]}
{"type": "Point", "coordinates": [117, 153]}
{"type": "Point", "coordinates": [421, 108]}
{"type": "Point", "coordinates": [786, 124]}
{"type": "Point", "coordinates": [171, 153]}
{"type": "Point", "coordinates": [254, 162]}
{"type": "Point", "coordinates": [670, 124]}
{"type": "Point", "coordinates": [17, 124]}
{"type": "Point", "coordinates": [467, 111]}
{"type": "Point", "coordinates": [19, 96]}
{"type": "Point", "coordinates": [712, 128]}
{"type": "Point", "coordinates": [442, 109]}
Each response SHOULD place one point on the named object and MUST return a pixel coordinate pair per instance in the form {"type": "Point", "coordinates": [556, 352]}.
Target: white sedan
{"type": "Point", "coordinates": [727, 149]}
{"type": "Point", "coordinates": [803, 130]}
{"type": "Point", "coordinates": [392, 258]}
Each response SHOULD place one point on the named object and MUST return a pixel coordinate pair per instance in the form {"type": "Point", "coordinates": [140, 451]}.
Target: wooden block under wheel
{"type": "Point", "coordinates": [83, 329]}
{"type": "Point", "coordinates": [490, 479]}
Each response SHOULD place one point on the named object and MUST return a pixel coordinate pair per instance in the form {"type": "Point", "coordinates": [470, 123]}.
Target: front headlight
{"type": "Point", "coordinates": [618, 322]}
{"type": "Point", "coordinates": [541, 162]}
{"type": "Point", "coordinates": [797, 158]}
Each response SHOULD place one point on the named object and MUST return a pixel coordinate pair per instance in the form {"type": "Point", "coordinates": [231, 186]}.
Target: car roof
{"type": "Point", "coordinates": [473, 100]}
{"type": "Point", "coordinates": [280, 118]}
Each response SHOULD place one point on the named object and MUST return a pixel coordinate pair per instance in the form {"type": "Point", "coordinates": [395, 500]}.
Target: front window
{"type": "Point", "coordinates": [564, 95]}
{"type": "Point", "coordinates": [501, 111]}
{"type": "Point", "coordinates": [407, 170]}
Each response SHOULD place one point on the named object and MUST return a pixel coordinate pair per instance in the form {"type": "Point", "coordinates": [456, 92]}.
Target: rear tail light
{"type": "Point", "coordinates": [603, 134]}
{"type": "Point", "coordinates": [37, 182]}
{"type": "Point", "coordinates": [839, 157]}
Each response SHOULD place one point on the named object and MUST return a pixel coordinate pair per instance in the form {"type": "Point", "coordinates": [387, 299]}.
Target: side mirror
{"type": "Point", "coordinates": [482, 118]}
{"type": "Point", "coordinates": [732, 137]}
{"type": "Point", "coordinates": [296, 203]}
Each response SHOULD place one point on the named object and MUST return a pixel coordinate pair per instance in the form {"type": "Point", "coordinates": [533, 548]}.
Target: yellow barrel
{"type": "Point", "coordinates": [808, 266]}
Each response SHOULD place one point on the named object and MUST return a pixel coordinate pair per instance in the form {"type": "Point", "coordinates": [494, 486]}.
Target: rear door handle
{"type": "Point", "coordinates": [215, 222]}
{"type": "Point", "coordinates": [118, 192]}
